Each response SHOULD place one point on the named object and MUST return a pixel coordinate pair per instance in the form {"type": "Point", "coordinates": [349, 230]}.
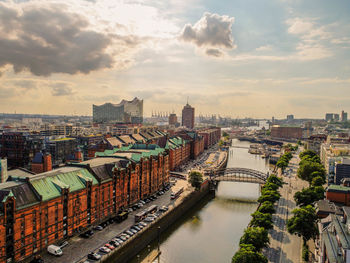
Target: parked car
{"type": "Point", "coordinates": [163, 208]}
{"type": "Point", "coordinates": [149, 219]}
{"type": "Point", "coordinates": [99, 228]}
{"type": "Point", "coordinates": [93, 256]}
{"type": "Point", "coordinates": [84, 235]}
{"type": "Point", "coordinates": [143, 223]}
{"type": "Point", "coordinates": [129, 232]}
{"type": "Point", "coordinates": [133, 230]}
{"type": "Point", "coordinates": [54, 250]}
{"type": "Point", "coordinates": [104, 250]}
{"type": "Point", "coordinates": [123, 238]}
{"type": "Point", "coordinates": [111, 247]}
{"type": "Point", "coordinates": [90, 232]}
{"type": "Point", "coordinates": [114, 242]}
{"type": "Point", "coordinates": [142, 202]}
{"type": "Point", "coordinates": [121, 241]}
{"type": "Point", "coordinates": [137, 228]}
{"type": "Point", "coordinates": [130, 210]}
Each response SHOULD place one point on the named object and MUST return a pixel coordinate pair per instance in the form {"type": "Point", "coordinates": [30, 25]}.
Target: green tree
{"type": "Point", "coordinates": [318, 181]}
{"type": "Point", "coordinates": [309, 153]}
{"type": "Point", "coordinates": [309, 195]}
{"type": "Point", "coordinates": [195, 178]}
{"type": "Point", "coordinates": [267, 207]}
{"type": "Point", "coordinates": [303, 223]}
{"type": "Point", "coordinates": [307, 169]}
{"type": "Point", "coordinates": [275, 179]}
{"type": "Point", "coordinates": [247, 254]}
{"type": "Point", "coordinates": [256, 236]}
{"type": "Point", "coordinates": [225, 134]}
{"type": "Point", "coordinates": [282, 164]}
{"type": "Point", "coordinates": [270, 186]}
{"type": "Point", "coordinates": [261, 220]}
{"type": "Point", "coordinates": [269, 195]}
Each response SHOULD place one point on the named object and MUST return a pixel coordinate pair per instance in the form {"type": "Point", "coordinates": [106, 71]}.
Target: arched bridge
{"type": "Point", "coordinates": [238, 175]}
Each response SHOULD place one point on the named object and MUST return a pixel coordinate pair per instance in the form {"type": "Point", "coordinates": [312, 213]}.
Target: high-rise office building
{"type": "Point", "coordinates": [188, 116]}
{"type": "Point", "coordinates": [172, 119]}
{"type": "Point", "coordinates": [344, 116]}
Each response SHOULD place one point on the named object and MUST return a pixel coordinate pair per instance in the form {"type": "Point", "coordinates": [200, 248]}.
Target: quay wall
{"type": "Point", "coordinates": [141, 240]}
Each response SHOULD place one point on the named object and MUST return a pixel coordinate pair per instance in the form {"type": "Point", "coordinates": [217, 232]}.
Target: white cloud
{"type": "Point", "coordinates": [212, 32]}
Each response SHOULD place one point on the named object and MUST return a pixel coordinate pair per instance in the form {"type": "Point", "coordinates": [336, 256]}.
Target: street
{"type": "Point", "coordinates": [284, 247]}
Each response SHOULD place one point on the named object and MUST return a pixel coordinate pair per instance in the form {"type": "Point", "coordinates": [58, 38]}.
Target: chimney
{"type": "Point", "coordinates": [47, 162]}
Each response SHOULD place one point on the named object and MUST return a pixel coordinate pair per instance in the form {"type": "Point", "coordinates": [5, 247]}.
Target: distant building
{"type": "Point", "coordinates": [124, 112]}
{"type": "Point", "coordinates": [336, 117]}
{"type": "Point", "coordinates": [329, 116]}
{"type": "Point", "coordinates": [290, 117]}
{"type": "Point", "coordinates": [314, 142]}
{"type": "Point", "coordinates": [188, 116]}
{"type": "Point", "coordinates": [61, 149]}
{"type": "Point", "coordinates": [172, 119]}
{"type": "Point", "coordinates": [344, 116]}
{"type": "Point", "coordinates": [342, 171]}
{"type": "Point", "coordinates": [285, 132]}
{"type": "Point", "coordinates": [19, 148]}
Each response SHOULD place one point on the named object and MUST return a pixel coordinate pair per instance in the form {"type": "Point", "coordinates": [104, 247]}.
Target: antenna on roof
{"type": "Point", "coordinates": [187, 100]}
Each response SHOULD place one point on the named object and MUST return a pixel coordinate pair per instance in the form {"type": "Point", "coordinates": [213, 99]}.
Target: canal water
{"type": "Point", "coordinates": [210, 232]}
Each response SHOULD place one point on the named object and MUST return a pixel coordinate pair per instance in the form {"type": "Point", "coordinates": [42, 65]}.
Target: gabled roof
{"type": "Point", "coordinates": [138, 137]}
{"type": "Point", "coordinates": [50, 184]}
{"type": "Point", "coordinates": [21, 191]}
{"type": "Point", "coordinates": [114, 142]}
{"type": "Point", "coordinates": [127, 139]}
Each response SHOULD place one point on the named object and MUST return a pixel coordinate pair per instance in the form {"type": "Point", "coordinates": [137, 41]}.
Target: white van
{"type": "Point", "coordinates": [54, 250]}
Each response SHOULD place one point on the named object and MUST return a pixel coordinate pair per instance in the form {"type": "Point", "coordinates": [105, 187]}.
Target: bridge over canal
{"type": "Point", "coordinates": [237, 174]}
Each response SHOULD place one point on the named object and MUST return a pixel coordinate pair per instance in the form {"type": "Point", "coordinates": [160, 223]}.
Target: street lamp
{"type": "Point", "coordinates": [158, 239]}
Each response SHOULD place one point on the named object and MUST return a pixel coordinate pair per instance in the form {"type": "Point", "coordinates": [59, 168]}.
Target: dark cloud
{"type": "Point", "coordinates": [214, 52]}
{"type": "Point", "coordinates": [61, 89]}
{"type": "Point", "coordinates": [25, 84]}
{"type": "Point", "coordinates": [212, 30]}
{"type": "Point", "coordinates": [49, 39]}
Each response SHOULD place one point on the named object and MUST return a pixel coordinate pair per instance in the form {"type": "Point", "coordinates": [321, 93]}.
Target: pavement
{"type": "Point", "coordinates": [285, 247]}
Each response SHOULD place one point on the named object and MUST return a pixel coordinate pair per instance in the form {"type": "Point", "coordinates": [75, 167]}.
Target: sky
{"type": "Point", "coordinates": [238, 58]}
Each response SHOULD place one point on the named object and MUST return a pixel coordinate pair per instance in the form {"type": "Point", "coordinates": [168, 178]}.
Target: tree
{"type": "Point", "coordinates": [267, 207]}
{"type": "Point", "coordinates": [225, 134]}
{"type": "Point", "coordinates": [247, 254]}
{"type": "Point", "coordinates": [256, 236]}
{"type": "Point", "coordinates": [274, 179]}
{"type": "Point", "coordinates": [318, 181]}
{"type": "Point", "coordinates": [309, 195]}
{"type": "Point", "coordinates": [282, 164]}
{"type": "Point", "coordinates": [195, 178]}
{"type": "Point", "coordinates": [309, 153]}
{"type": "Point", "coordinates": [303, 223]}
{"type": "Point", "coordinates": [269, 195]}
{"type": "Point", "coordinates": [261, 220]}
{"type": "Point", "coordinates": [307, 169]}
{"type": "Point", "coordinates": [269, 186]}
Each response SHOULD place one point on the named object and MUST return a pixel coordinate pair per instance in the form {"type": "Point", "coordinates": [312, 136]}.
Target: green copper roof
{"type": "Point", "coordinates": [50, 186]}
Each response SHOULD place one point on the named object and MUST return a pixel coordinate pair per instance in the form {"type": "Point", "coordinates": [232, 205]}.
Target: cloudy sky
{"type": "Point", "coordinates": [241, 58]}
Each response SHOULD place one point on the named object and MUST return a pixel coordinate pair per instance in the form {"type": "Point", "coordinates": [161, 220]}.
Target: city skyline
{"type": "Point", "coordinates": [264, 59]}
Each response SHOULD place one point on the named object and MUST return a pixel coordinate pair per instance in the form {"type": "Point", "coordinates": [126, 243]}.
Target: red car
{"type": "Point", "coordinates": [109, 246]}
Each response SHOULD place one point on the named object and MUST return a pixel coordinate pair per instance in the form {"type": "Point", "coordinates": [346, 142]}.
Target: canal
{"type": "Point", "coordinates": [211, 231]}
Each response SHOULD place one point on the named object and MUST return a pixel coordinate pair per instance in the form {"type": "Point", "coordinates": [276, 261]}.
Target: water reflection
{"type": "Point", "coordinates": [211, 231]}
